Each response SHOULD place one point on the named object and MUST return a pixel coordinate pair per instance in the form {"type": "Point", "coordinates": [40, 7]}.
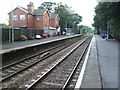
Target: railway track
{"type": "Point", "coordinates": [61, 73]}
{"type": "Point", "coordinates": [41, 74]}
{"type": "Point", "coordinates": [19, 66]}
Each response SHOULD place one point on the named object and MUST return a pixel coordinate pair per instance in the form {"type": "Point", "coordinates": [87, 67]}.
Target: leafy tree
{"type": "Point", "coordinates": [85, 29]}
{"type": "Point", "coordinates": [68, 18]}
{"type": "Point", "coordinates": [107, 18]}
{"type": "Point", "coordinates": [6, 26]}
{"type": "Point", "coordinates": [48, 5]}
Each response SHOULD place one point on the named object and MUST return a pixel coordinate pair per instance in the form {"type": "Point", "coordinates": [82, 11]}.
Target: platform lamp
{"type": "Point", "coordinates": [12, 22]}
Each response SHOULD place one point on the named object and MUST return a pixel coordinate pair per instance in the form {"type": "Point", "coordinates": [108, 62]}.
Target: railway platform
{"type": "Point", "coordinates": [101, 66]}
{"type": "Point", "coordinates": [7, 47]}
{"type": "Point", "coordinates": [17, 44]}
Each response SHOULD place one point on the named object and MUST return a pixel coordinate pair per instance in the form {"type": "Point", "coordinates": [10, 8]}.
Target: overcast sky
{"type": "Point", "coordinates": [85, 8]}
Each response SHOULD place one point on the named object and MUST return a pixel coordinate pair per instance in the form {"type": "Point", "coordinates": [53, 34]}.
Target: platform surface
{"type": "Point", "coordinates": [91, 78]}
{"type": "Point", "coordinates": [27, 42]}
{"type": "Point", "coordinates": [108, 61]}
{"type": "Point", "coordinates": [8, 47]}
{"type": "Point", "coordinates": [102, 65]}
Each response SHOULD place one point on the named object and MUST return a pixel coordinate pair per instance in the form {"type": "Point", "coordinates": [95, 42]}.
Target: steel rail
{"type": "Point", "coordinates": [10, 75]}
{"type": "Point", "coordinates": [28, 57]}
{"type": "Point", "coordinates": [73, 71]}
{"type": "Point", "coordinates": [32, 56]}
{"type": "Point", "coordinates": [29, 87]}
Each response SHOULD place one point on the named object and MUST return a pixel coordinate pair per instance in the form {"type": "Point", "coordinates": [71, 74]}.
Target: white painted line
{"type": "Point", "coordinates": [79, 82]}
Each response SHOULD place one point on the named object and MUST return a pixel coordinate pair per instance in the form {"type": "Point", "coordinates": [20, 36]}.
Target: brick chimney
{"type": "Point", "coordinates": [30, 6]}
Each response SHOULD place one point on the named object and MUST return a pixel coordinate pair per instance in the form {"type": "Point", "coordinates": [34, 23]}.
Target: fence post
{"type": "Point", "coordinates": [0, 34]}
{"type": "Point", "coordinates": [9, 35]}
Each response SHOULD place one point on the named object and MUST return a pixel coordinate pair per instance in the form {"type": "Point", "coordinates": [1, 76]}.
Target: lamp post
{"type": "Point", "coordinates": [12, 22]}
{"type": "Point", "coordinates": [66, 26]}
{"type": "Point", "coordinates": [73, 27]}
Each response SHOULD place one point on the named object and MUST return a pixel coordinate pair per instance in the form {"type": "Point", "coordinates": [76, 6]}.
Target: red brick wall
{"type": "Point", "coordinates": [57, 21]}
{"type": "Point", "coordinates": [39, 24]}
{"type": "Point", "coordinates": [18, 22]}
{"type": "Point", "coordinates": [30, 22]}
{"type": "Point", "coordinates": [53, 22]}
{"type": "Point", "coordinates": [46, 19]}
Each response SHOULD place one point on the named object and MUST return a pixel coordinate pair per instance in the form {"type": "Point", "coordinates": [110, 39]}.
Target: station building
{"type": "Point", "coordinates": [34, 19]}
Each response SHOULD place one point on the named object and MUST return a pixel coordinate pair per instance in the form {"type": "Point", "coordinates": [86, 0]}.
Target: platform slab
{"type": "Point", "coordinates": [91, 78]}
{"type": "Point", "coordinates": [108, 61]}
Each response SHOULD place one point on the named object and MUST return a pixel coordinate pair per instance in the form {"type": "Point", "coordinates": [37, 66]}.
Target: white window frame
{"type": "Point", "coordinates": [15, 17]}
{"type": "Point", "coordinates": [22, 17]}
{"type": "Point", "coordinates": [38, 18]}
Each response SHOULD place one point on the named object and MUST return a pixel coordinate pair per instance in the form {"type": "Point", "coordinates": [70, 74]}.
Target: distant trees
{"type": "Point", "coordinates": [68, 19]}
{"type": "Point", "coordinates": [86, 30]}
{"type": "Point", "coordinates": [6, 26]}
{"type": "Point", "coordinates": [48, 5]}
{"type": "Point", "coordinates": [107, 18]}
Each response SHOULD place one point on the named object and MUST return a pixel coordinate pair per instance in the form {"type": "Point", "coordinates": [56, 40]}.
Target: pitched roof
{"type": "Point", "coordinates": [38, 11]}
{"type": "Point", "coordinates": [23, 9]}
{"type": "Point", "coordinates": [53, 16]}
{"type": "Point", "coordinates": [26, 10]}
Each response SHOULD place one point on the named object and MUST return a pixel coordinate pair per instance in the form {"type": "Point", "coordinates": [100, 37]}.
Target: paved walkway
{"type": "Point", "coordinates": [102, 65]}
{"type": "Point", "coordinates": [28, 42]}
{"type": "Point", "coordinates": [91, 78]}
{"type": "Point", "coordinates": [108, 61]}
{"type": "Point", "coordinates": [8, 47]}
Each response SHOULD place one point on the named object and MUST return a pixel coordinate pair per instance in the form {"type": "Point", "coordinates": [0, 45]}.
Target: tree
{"type": "Point", "coordinates": [6, 26]}
{"type": "Point", "coordinates": [67, 17]}
{"type": "Point", "coordinates": [48, 5]}
{"type": "Point", "coordinates": [107, 18]}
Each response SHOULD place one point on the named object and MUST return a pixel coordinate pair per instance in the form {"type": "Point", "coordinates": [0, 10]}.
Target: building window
{"type": "Point", "coordinates": [38, 17]}
{"type": "Point", "coordinates": [22, 17]}
{"type": "Point", "coordinates": [14, 17]}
